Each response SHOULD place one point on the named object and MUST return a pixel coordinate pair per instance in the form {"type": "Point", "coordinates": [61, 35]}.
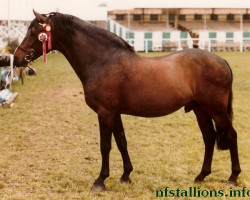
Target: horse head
{"type": "Point", "coordinates": [35, 41]}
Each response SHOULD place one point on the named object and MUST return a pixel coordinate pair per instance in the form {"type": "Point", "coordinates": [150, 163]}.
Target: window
{"type": "Point", "coordinates": [114, 29]}
{"type": "Point", "coordinates": [182, 17]}
{"type": "Point", "coordinates": [148, 43]}
{"type": "Point", "coordinates": [197, 17]}
{"type": "Point", "coordinates": [108, 25]}
{"type": "Point", "coordinates": [137, 17]}
{"type": "Point", "coordinates": [120, 33]}
{"type": "Point", "coordinates": [154, 17]}
{"type": "Point", "coordinates": [171, 17]}
{"type": "Point", "coordinates": [214, 17]}
{"type": "Point", "coordinates": [166, 35]}
{"type": "Point", "coordinates": [230, 17]}
{"type": "Point", "coordinates": [212, 36]}
{"type": "Point", "coordinates": [148, 35]}
{"type": "Point", "coordinates": [119, 17]}
{"type": "Point", "coordinates": [246, 36]}
{"type": "Point", "coordinates": [246, 17]}
{"type": "Point", "coordinates": [130, 35]}
{"type": "Point", "coordinates": [183, 34]}
{"type": "Point", "coordinates": [229, 36]}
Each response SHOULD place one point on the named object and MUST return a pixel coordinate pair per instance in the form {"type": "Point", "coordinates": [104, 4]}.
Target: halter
{"type": "Point", "coordinates": [30, 54]}
{"type": "Point", "coordinates": [44, 37]}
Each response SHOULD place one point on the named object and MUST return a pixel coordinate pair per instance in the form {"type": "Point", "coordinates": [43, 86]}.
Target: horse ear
{"type": "Point", "coordinates": [40, 18]}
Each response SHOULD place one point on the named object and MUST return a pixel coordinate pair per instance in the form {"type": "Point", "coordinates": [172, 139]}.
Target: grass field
{"type": "Point", "coordinates": [49, 142]}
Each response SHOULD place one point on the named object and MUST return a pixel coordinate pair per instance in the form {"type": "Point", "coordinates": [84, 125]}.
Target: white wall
{"type": "Point", "coordinates": [204, 41]}
{"type": "Point", "coordinates": [139, 41]}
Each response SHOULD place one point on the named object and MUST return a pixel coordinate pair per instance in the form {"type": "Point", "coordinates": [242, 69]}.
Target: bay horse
{"type": "Point", "coordinates": [118, 81]}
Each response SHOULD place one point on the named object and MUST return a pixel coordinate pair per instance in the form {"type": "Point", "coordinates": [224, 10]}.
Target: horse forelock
{"type": "Point", "coordinates": [32, 23]}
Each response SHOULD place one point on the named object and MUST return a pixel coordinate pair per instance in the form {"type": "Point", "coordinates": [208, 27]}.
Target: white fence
{"type": "Point", "coordinates": [176, 45]}
{"type": "Point", "coordinates": [16, 30]}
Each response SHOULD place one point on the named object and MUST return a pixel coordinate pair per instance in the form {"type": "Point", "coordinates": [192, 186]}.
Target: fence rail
{"type": "Point", "coordinates": [175, 45]}
{"type": "Point", "coordinates": [17, 30]}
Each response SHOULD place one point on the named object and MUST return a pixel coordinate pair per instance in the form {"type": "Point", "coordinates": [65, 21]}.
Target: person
{"type": "Point", "coordinates": [4, 60]}
{"type": "Point", "coordinates": [5, 93]}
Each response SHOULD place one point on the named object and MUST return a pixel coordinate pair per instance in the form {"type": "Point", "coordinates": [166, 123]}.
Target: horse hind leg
{"type": "Point", "coordinates": [209, 137]}
{"type": "Point", "coordinates": [227, 139]}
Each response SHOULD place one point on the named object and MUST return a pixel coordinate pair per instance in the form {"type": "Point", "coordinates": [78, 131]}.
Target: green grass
{"type": "Point", "coordinates": [50, 142]}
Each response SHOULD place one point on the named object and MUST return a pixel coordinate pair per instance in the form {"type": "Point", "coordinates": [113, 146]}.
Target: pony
{"type": "Point", "coordinates": [118, 81]}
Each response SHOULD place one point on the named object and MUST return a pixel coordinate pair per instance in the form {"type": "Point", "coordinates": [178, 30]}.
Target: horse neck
{"type": "Point", "coordinates": [76, 50]}
{"type": "Point", "coordinates": [84, 52]}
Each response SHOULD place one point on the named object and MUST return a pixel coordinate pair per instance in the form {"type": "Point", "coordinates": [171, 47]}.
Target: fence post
{"type": "Point", "coordinates": [241, 42]}
{"type": "Point", "coordinates": [209, 45]}
{"type": "Point", "coordinates": [146, 45]}
{"type": "Point", "coordinates": [179, 45]}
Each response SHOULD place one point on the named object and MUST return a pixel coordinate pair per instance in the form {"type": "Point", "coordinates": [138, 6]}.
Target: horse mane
{"type": "Point", "coordinates": [70, 24]}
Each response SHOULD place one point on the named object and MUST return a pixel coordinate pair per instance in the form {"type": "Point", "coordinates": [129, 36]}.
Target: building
{"type": "Point", "coordinates": [157, 29]}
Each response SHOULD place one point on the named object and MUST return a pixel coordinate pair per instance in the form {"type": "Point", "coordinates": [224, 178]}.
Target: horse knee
{"type": "Point", "coordinates": [209, 140]}
{"type": "Point", "coordinates": [105, 148]}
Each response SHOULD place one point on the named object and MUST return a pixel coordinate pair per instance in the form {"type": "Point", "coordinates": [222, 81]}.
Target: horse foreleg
{"type": "Point", "coordinates": [209, 136]}
{"type": "Point", "coordinates": [105, 144]}
{"type": "Point", "coordinates": [121, 142]}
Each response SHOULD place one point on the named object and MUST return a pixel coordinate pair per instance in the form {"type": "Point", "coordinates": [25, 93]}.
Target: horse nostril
{"type": "Point", "coordinates": [27, 58]}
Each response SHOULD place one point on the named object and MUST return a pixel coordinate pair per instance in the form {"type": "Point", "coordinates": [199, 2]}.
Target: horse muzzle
{"type": "Point", "coordinates": [29, 57]}
{"type": "Point", "coordinates": [23, 56]}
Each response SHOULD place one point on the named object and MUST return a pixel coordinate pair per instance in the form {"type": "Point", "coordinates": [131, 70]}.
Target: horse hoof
{"type": "Point", "coordinates": [234, 183]}
{"type": "Point", "coordinates": [198, 179]}
{"type": "Point", "coordinates": [125, 181]}
{"type": "Point", "coordinates": [98, 187]}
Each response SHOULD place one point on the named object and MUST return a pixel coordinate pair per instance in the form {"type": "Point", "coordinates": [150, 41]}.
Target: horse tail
{"type": "Point", "coordinates": [230, 97]}
{"type": "Point", "coordinates": [230, 105]}
{"type": "Point", "coordinates": [222, 143]}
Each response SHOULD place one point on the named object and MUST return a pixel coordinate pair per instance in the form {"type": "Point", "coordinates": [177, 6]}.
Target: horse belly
{"type": "Point", "coordinates": [156, 90]}
{"type": "Point", "coordinates": [155, 104]}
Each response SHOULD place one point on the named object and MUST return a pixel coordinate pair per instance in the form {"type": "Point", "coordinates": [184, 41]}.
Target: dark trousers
{"type": "Point", "coordinates": [4, 60]}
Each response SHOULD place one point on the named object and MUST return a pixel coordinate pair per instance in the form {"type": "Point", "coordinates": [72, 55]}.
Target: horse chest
{"type": "Point", "coordinates": [102, 98]}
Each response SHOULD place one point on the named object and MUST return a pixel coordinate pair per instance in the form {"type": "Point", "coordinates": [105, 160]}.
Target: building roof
{"type": "Point", "coordinates": [184, 3]}
{"type": "Point", "coordinates": [119, 4]}
{"type": "Point", "coordinates": [195, 4]}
